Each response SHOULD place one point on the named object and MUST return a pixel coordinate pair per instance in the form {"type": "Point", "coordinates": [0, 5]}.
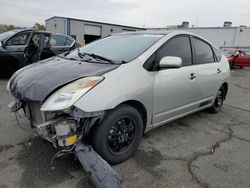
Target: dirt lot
{"type": "Point", "coordinates": [201, 150]}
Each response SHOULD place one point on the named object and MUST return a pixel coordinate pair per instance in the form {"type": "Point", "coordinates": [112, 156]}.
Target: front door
{"type": "Point", "coordinates": [176, 89]}
{"type": "Point", "coordinates": [17, 46]}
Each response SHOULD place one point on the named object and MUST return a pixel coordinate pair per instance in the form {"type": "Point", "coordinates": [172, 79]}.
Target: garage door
{"type": "Point", "coordinates": [93, 30]}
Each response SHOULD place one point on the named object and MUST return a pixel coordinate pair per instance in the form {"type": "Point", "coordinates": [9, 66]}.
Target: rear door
{"type": "Point", "coordinates": [176, 89]}
{"type": "Point", "coordinates": [207, 69]}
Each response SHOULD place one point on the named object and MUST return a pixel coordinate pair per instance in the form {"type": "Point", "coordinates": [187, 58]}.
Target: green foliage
{"type": "Point", "coordinates": [4, 28]}
{"type": "Point", "coordinates": [39, 26]}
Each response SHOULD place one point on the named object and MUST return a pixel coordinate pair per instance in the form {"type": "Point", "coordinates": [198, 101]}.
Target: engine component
{"type": "Point", "coordinates": [66, 133]}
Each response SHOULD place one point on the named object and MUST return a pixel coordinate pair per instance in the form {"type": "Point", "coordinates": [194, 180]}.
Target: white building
{"type": "Point", "coordinates": [222, 37]}
{"type": "Point", "coordinates": [84, 31]}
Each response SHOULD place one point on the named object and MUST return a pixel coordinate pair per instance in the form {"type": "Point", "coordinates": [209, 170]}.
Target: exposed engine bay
{"type": "Point", "coordinates": [66, 130]}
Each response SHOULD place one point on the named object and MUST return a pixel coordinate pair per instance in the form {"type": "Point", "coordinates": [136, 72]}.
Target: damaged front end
{"type": "Point", "coordinates": [61, 128]}
{"type": "Point", "coordinates": [47, 93]}
{"type": "Point", "coordinates": [67, 130]}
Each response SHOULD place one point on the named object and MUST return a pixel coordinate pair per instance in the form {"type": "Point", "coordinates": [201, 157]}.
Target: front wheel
{"type": "Point", "coordinates": [119, 135]}
{"type": "Point", "coordinates": [218, 102]}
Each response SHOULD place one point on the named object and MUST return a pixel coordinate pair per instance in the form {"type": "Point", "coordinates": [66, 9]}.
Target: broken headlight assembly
{"type": "Point", "coordinates": [69, 94]}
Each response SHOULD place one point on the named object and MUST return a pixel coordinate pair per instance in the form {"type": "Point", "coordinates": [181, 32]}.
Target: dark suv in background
{"type": "Point", "coordinates": [19, 48]}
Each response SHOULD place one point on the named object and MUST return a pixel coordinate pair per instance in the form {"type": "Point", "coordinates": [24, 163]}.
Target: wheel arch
{"type": "Point", "coordinates": [12, 59]}
{"type": "Point", "coordinates": [133, 103]}
{"type": "Point", "coordinates": [225, 86]}
{"type": "Point", "coordinates": [140, 108]}
{"type": "Point", "coordinates": [9, 64]}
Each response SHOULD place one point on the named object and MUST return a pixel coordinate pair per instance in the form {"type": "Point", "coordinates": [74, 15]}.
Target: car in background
{"type": "Point", "coordinates": [238, 58]}
{"type": "Point", "coordinates": [19, 48]}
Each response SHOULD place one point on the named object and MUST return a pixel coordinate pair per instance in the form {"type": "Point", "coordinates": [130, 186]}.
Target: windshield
{"type": "Point", "coordinates": [7, 34]}
{"type": "Point", "coordinates": [118, 48]}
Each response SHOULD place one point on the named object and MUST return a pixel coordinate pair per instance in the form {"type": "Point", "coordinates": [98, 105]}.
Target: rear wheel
{"type": "Point", "coordinates": [218, 102]}
{"type": "Point", "coordinates": [119, 135]}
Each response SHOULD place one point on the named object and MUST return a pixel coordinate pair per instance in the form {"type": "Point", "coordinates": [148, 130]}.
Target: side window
{"type": "Point", "coordinates": [35, 40]}
{"type": "Point", "coordinates": [69, 41]}
{"type": "Point", "coordinates": [217, 53]}
{"type": "Point", "coordinates": [57, 40]}
{"type": "Point", "coordinates": [203, 52]}
{"type": "Point", "coordinates": [19, 39]}
{"type": "Point", "coordinates": [177, 46]}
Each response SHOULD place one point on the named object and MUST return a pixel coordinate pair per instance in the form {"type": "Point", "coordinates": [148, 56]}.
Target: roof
{"type": "Point", "coordinates": [37, 31]}
{"type": "Point", "coordinates": [95, 22]}
{"type": "Point", "coordinates": [146, 32]}
{"type": "Point", "coordinates": [160, 32]}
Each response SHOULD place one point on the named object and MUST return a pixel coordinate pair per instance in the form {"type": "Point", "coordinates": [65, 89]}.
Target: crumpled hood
{"type": "Point", "coordinates": [36, 81]}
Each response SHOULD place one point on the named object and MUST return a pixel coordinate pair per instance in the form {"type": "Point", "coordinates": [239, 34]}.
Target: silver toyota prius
{"type": "Point", "coordinates": [111, 91]}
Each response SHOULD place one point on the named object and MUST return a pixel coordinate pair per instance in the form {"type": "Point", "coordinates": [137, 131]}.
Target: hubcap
{"type": "Point", "coordinates": [121, 136]}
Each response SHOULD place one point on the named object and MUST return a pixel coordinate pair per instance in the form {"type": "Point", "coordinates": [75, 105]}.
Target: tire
{"type": "Point", "coordinates": [218, 102]}
{"type": "Point", "coordinates": [119, 134]}
{"type": "Point", "coordinates": [232, 65]}
{"type": "Point", "coordinates": [241, 67]}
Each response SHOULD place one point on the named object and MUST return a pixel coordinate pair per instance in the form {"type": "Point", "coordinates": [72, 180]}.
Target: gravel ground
{"type": "Point", "coordinates": [201, 150]}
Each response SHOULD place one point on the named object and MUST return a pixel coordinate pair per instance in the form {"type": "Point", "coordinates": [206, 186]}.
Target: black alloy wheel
{"type": "Point", "coordinates": [119, 134]}
{"type": "Point", "coordinates": [218, 102]}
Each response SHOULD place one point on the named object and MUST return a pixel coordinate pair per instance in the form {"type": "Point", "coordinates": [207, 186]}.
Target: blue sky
{"type": "Point", "coordinates": [157, 13]}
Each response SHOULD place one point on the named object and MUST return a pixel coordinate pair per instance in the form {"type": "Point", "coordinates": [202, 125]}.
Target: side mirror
{"type": "Point", "coordinates": [170, 62]}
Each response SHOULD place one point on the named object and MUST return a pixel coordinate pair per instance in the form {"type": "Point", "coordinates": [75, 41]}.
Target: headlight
{"type": "Point", "coordinates": [69, 94]}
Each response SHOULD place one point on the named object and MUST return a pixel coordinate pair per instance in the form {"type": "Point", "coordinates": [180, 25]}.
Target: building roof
{"type": "Point", "coordinates": [178, 28]}
{"type": "Point", "coordinates": [95, 22]}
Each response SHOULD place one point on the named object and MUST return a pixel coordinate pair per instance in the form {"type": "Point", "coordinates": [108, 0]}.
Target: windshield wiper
{"type": "Point", "coordinates": [95, 56]}
{"type": "Point", "coordinates": [63, 57]}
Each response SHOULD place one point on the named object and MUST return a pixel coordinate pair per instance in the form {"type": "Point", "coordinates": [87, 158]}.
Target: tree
{"type": "Point", "coordinates": [4, 28]}
{"type": "Point", "coordinates": [39, 26]}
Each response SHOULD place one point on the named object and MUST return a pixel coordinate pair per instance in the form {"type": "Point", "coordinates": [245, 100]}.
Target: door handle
{"type": "Point", "coordinates": [218, 71]}
{"type": "Point", "coordinates": [192, 76]}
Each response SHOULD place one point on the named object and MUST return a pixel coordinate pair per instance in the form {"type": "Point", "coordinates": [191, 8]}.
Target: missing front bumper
{"type": "Point", "coordinates": [100, 172]}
